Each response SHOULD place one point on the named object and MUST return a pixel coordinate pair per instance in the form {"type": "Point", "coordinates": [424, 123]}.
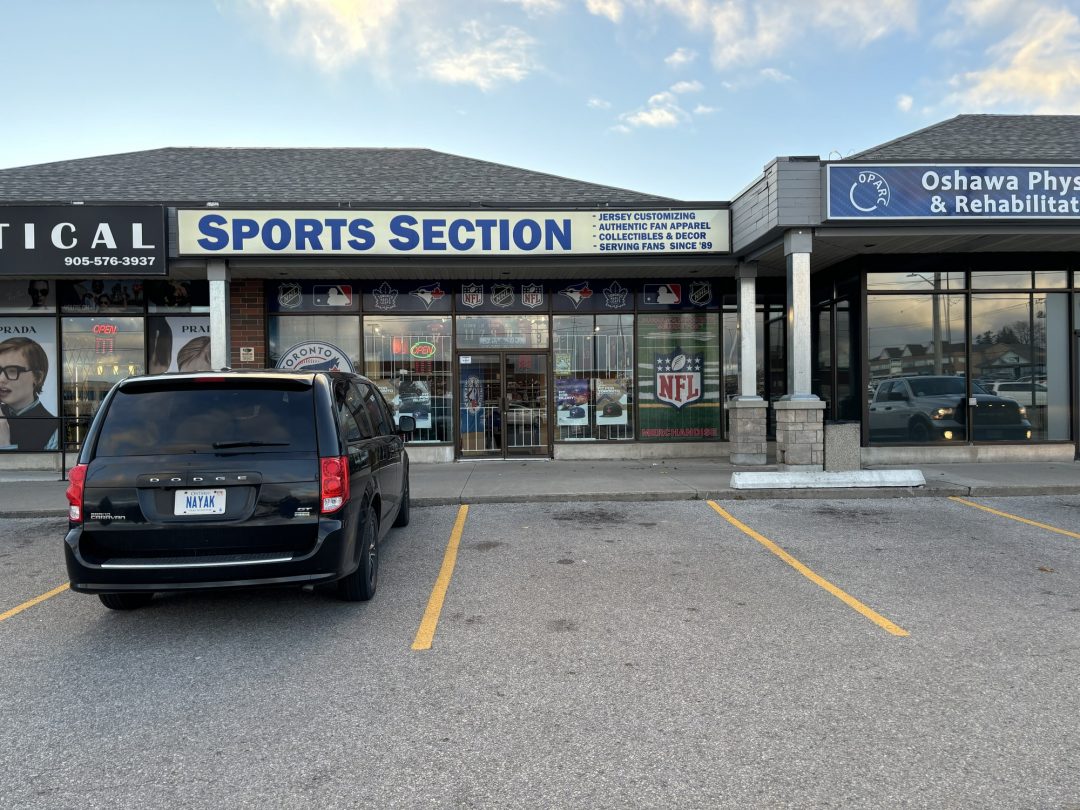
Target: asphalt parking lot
{"type": "Point", "coordinates": [826, 653]}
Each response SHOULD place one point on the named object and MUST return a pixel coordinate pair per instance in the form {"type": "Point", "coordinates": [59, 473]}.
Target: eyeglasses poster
{"type": "Point", "coordinates": [177, 344]}
{"type": "Point", "coordinates": [31, 296]}
{"type": "Point", "coordinates": [28, 390]}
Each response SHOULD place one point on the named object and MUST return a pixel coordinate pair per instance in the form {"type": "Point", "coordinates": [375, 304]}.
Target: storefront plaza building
{"type": "Point", "coordinates": [927, 289]}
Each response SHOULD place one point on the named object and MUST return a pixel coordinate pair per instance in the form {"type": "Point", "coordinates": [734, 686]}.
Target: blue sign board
{"type": "Point", "coordinates": [952, 191]}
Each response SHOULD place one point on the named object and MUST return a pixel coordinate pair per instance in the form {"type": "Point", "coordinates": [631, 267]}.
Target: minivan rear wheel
{"type": "Point", "coordinates": [125, 601]}
{"type": "Point", "coordinates": [359, 586]}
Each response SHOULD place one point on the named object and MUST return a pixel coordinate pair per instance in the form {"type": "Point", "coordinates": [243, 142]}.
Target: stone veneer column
{"type": "Point", "coordinates": [746, 431]}
{"type": "Point", "coordinates": [800, 437]}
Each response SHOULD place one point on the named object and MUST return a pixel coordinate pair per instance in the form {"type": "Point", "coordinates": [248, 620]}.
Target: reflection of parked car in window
{"type": "Point", "coordinates": [923, 409]}
{"type": "Point", "coordinates": [1027, 394]}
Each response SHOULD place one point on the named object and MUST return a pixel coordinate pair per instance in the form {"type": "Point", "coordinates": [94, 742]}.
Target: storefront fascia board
{"type": "Point", "coordinates": [481, 267]}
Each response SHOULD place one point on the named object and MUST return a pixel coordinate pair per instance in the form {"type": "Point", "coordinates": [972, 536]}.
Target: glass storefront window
{"type": "Point", "coordinates": [1051, 279]}
{"type": "Point", "coordinates": [97, 352]}
{"type": "Point", "coordinates": [409, 358]}
{"type": "Point", "coordinates": [28, 384]}
{"type": "Point", "coordinates": [502, 331]}
{"type": "Point", "coordinates": [177, 295]}
{"type": "Point", "coordinates": [1001, 280]}
{"type": "Point", "coordinates": [1020, 352]}
{"type": "Point", "coordinates": [926, 282]}
{"type": "Point", "coordinates": [917, 360]}
{"type": "Point", "coordinates": [679, 386]}
{"type": "Point", "coordinates": [286, 332]}
{"type": "Point", "coordinates": [33, 296]}
{"type": "Point", "coordinates": [593, 359]}
{"type": "Point", "coordinates": [105, 295]}
{"type": "Point", "coordinates": [177, 343]}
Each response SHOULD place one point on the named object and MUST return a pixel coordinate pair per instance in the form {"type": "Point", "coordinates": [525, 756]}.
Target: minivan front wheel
{"type": "Point", "coordinates": [125, 601]}
{"type": "Point", "coordinates": [359, 586]}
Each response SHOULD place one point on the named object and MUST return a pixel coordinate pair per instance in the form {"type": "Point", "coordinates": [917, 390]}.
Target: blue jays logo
{"type": "Point", "coordinates": [615, 296]}
{"type": "Point", "coordinates": [385, 296]}
{"type": "Point", "coordinates": [472, 295]}
{"type": "Point", "coordinates": [532, 295]}
{"type": "Point", "coordinates": [577, 293]}
{"type": "Point", "coordinates": [678, 378]}
{"type": "Point", "coordinates": [315, 355]}
{"type": "Point", "coordinates": [429, 294]}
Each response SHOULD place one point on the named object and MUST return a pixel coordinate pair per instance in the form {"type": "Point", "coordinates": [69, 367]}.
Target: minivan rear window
{"type": "Point", "coordinates": [213, 418]}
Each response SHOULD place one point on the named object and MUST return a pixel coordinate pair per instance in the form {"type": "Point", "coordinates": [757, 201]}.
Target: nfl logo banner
{"type": "Point", "coordinates": [678, 378]}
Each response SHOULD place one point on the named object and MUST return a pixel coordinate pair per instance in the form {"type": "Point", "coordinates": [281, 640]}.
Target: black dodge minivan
{"type": "Point", "coordinates": [232, 479]}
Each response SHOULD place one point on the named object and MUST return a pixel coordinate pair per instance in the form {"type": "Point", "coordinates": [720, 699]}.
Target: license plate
{"type": "Point", "coordinates": [200, 502]}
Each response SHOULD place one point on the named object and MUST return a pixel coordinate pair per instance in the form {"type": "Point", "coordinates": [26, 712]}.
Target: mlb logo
{"type": "Point", "coordinates": [472, 295]}
{"type": "Point", "coordinates": [532, 295]}
{"type": "Point", "coordinates": [661, 295]}
{"type": "Point", "coordinates": [678, 378]}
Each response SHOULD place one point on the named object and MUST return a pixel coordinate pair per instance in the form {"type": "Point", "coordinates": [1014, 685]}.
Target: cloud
{"type": "Point", "coordinates": [332, 33]}
{"type": "Point", "coordinates": [1035, 69]}
{"type": "Point", "coordinates": [680, 57]}
{"type": "Point", "coordinates": [488, 59]}
{"type": "Point", "coordinates": [703, 109]}
{"type": "Point", "coordinates": [662, 110]}
{"type": "Point", "coordinates": [746, 32]}
{"type": "Point", "coordinates": [904, 103]}
{"type": "Point", "coordinates": [774, 75]}
{"type": "Point", "coordinates": [612, 9]}
{"type": "Point", "coordinates": [537, 8]}
{"type": "Point", "coordinates": [687, 87]}
{"type": "Point", "coordinates": [598, 104]}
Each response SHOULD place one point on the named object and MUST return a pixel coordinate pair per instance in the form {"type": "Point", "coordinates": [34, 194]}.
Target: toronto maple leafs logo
{"type": "Point", "coordinates": [615, 296]}
{"type": "Point", "coordinates": [678, 378]}
{"type": "Point", "coordinates": [532, 295]}
{"type": "Point", "coordinates": [385, 296]}
{"type": "Point", "coordinates": [577, 293]}
{"type": "Point", "coordinates": [429, 294]}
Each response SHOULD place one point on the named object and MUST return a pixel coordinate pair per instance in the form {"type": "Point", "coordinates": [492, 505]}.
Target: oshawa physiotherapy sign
{"type": "Point", "coordinates": [449, 233]}
{"type": "Point", "coordinates": [948, 191]}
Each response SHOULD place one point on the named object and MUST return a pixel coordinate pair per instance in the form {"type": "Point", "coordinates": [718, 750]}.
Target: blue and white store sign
{"type": "Point", "coordinates": [952, 191]}
{"type": "Point", "coordinates": [450, 233]}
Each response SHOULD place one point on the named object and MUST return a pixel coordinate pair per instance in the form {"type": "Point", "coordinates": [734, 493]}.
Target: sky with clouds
{"type": "Point", "coordinates": [682, 98]}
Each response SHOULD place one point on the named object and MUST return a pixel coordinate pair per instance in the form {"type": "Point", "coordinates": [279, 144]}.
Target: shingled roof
{"type": "Point", "coordinates": [359, 177]}
{"type": "Point", "coordinates": [1026, 138]}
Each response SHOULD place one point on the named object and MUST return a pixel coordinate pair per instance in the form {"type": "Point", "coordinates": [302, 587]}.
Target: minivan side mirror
{"type": "Point", "coordinates": [406, 424]}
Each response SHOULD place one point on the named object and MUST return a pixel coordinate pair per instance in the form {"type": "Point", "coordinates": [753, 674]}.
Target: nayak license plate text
{"type": "Point", "coordinates": [200, 502]}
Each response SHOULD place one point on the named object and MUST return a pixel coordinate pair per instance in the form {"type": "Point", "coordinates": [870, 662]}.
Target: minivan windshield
{"type": "Point", "coordinates": [212, 418]}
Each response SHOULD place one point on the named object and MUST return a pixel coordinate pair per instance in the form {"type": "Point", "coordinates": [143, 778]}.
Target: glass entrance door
{"type": "Point", "coordinates": [503, 411]}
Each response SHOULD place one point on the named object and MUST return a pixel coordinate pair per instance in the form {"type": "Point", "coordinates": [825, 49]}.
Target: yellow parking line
{"type": "Point", "coordinates": [16, 610]}
{"type": "Point", "coordinates": [1035, 523]}
{"type": "Point", "coordinates": [430, 621]}
{"type": "Point", "coordinates": [844, 597]}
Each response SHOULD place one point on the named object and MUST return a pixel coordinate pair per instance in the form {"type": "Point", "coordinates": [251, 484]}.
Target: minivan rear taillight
{"type": "Point", "coordinates": [335, 483]}
{"type": "Point", "coordinates": [76, 480]}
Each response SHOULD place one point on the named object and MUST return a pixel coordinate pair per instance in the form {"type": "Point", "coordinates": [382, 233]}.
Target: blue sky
{"type": "Point", "coordinates": [683, 98]}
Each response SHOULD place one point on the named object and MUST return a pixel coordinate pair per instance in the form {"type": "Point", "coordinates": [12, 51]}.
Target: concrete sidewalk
{"type": "Point", "coordinates": [27, 494]}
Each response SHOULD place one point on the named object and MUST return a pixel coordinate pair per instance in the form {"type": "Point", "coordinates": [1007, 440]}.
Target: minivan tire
{"type": "Point", "coordinates": [359, 586]}
{"type": "Point", "coordinates": [125, 601]}
{"type": "Point", "coordinates": [402, 518]}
